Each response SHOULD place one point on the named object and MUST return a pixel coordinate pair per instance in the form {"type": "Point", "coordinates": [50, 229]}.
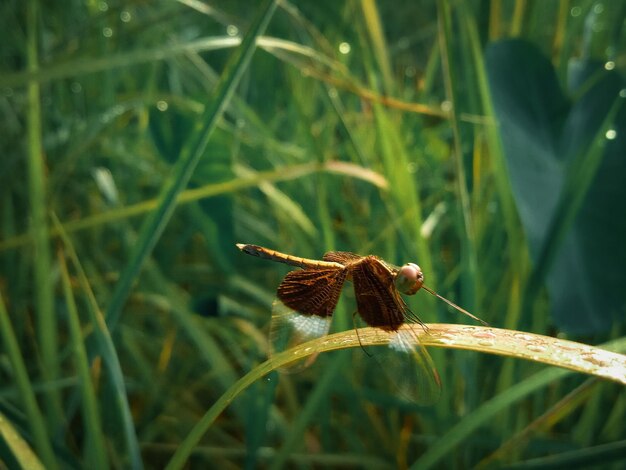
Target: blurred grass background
{"type": "Point", "coordinates": [404, 131]}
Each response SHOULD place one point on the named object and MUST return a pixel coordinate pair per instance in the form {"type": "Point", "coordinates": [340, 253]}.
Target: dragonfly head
{"type": "Point", "coordinates": [409, 279]}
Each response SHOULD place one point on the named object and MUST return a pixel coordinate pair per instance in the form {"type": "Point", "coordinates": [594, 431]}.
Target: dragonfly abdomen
{"type": "Point", "coordinates": [274, 255]}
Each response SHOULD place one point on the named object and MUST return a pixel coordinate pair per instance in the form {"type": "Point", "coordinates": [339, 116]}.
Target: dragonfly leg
{"type": "Point", "coordinates": [356, 329]}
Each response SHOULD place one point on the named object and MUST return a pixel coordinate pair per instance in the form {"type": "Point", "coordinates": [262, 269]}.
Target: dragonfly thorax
{"type": "Point", "coordinates": [409, 279]}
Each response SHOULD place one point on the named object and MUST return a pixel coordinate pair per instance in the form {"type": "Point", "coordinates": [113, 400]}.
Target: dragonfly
{"type": "Point", "coordinates": [306, 300]}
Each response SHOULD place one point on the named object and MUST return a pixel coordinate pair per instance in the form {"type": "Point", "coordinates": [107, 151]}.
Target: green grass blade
{"type": "Point", "coordinates": [575, 356]}
{"type": "Point", "coordinates": [467, 239]}
{"type": "Point", "coordinates": [20, 449]}
{"type": "Point", "coordinates": [555, 414]}
{"type": "Point", "coordinates": [482, 415]}
{"type": "Point", "coordinates": [281, 201]}
{"type": "Point", "coordinates": [209, 190]}
{"type": "Point", "coordinates": [493, 138]}
{"type": "Point", "coordinates": [491, 409]}
{"type": "Point", "coordinates": [36, 420]}
{"type": "Point", "coordinates": [600, 456]}
{"type": "Point", "coordinates": [189, 322]}
{"type": "Point", "coordinates": [44, 285]}
{"type": "Point", "coordinates": [95, 453]}
{"type": "Point", "coordinates": [516, 246]}
{"type": "Point", "coordinates": [184, 450]}
{"type": "Point", "coordinates": [374, 27]}
{"type": "Point", "coordinates": [88, 65]}
{"type": "Point", "coordinates": [106, 349]}
{"type": "Point", "coordinates": [181, 173]}
{"type": "Point", "coordinates": [315, 399]}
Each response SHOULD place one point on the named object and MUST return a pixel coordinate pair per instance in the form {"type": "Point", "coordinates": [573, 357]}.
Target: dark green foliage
{"type": "Point", "coordinates": [545, 135]}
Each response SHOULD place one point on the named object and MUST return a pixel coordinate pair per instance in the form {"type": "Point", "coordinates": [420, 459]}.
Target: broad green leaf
{"type": "Point", "coordinates": [565, 176]}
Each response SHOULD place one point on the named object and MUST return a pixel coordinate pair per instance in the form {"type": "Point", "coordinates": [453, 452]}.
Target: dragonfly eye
{"type": "Point", "coordinates": [409, 279]}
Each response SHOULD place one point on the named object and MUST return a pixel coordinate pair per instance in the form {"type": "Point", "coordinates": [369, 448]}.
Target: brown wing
{"type": "Point", "coordinates": [379, 303]}
{"type": "Point", "coordinates": [405, 361]}
{"type": "Point", "coordinates": [302, 312]}
{"type": "Point", "coordinates": [312, 291]}
{"type": "Point", "coordinates": [342, 257]}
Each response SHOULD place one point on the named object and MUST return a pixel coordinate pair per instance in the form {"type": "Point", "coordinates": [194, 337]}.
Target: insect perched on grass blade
{"type": "Point", "coordinates": [306, 300]}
